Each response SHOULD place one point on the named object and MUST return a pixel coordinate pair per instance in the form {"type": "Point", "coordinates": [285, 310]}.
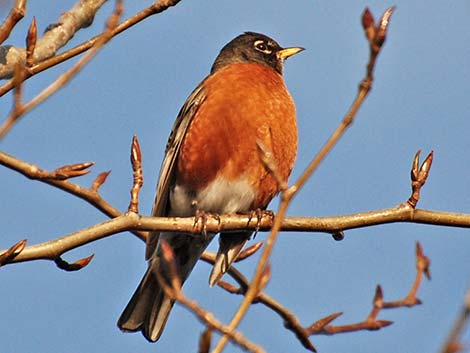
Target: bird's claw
{"type": "Point", "coordinates": [259, 214]}
{"type": "Point", "coordinates": [202, 217]}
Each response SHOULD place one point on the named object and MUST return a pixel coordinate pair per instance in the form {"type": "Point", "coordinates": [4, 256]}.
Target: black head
{"type": "Point", "coordinates": [253, 47]}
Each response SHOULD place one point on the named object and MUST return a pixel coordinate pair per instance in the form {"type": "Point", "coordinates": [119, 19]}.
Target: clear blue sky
{"type": "Point", "coordinates": [137, 84]}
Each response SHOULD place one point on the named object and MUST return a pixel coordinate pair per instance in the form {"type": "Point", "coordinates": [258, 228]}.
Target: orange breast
{"type": "Point", "coordinates": [244, 103]}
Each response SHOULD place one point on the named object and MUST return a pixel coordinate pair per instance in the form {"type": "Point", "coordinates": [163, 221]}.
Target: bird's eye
{"type": "Point", "coordinates": [263, 47]}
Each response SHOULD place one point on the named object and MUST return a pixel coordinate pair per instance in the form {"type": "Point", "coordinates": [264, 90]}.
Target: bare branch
{"type": "Point", "coordinates": [323, 326]}
{"type": "Point", "coordinates": [364, 88]}
{"type": "Point", "coordinates": [57, 35]}
{"type": "Point", "coordinates": [401, 213]}
{"type": "Point", "coordinates": [90, 195]}
{"type": "Point", "coordinates": [17, 96]}
{"type": "Point", "coordinates": [372, 325]}
{"type": "Point", "coordinates": [16, 14]}
{"type": "Point", "coordinates": [290, 320]}
{"type": "Point", "coordinates": [156, 8]}
{"type": "Point", "coordinates": [53, 249]}
{"type": "Point", "coordinates": [266, 276]}
{"type": "Point", "coordinates": [174, 291]}
{"type": "Point", "coordinates": [213, 323]}
{"type": "Point", "coordinates": [201, 219]}
{"type": "Point", "coordinates": [142, 224]}
{"type": "Point", "coordinates": [452, 343]}
{"type": "Point", "coordinates": [67, 76]}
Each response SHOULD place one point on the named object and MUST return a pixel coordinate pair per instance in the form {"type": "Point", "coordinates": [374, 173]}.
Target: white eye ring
{"type": "Point", "coordinates": [262, 46]}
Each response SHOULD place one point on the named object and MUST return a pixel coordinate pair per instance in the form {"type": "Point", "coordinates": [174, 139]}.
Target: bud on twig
{"type": "Point", "coordinates": [74, 266]}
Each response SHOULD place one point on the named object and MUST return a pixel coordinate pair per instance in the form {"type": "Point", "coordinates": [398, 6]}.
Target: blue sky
{"type": "Point", "coordinates": [137, 84]}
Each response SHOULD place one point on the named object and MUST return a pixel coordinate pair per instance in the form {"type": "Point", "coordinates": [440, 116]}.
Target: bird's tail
{"type": "Point", "coordinates": [149, 306]}
{"type": "Point", "coordinates": [230, 246]}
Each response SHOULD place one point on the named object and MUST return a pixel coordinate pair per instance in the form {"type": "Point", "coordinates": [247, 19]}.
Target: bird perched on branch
{"type": "Point", "coordinates": [212, 164]}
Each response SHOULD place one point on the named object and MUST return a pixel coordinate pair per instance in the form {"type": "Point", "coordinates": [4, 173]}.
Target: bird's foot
{"type": "Point", "coordinates": [259, 214]}
{"type": "Point", "coordinates": [202, 217]}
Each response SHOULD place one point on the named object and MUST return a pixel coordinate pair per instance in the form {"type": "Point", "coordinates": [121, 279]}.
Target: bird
{"type": "Point", "coordinates": [212, 164]}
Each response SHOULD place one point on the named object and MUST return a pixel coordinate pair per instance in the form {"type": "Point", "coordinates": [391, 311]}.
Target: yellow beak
{"type": "Point", "coordinates": [288, 52]}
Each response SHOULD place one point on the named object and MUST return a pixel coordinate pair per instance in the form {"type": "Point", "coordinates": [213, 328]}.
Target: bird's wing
{"type": "Point", "coordinates": [167, 171]}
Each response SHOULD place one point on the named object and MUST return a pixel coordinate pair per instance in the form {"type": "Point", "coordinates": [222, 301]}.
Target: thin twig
{"type": "Point", "coordinates": [17, 93]}
{"type": "Point", "coordinates": [156, 8]}
{"type": "Point", "coordinates": [290, 320]}
{"type": "Point", "coordinates": [174, 291]}
{"type": "Point", "coordinates": [323, 326]}
{"type": "Point", "coordinates": [53, 249]}
{"type": "Point", "coordinates": [227, 223]}
{"type": "Point", "coordinates": [55, 36]}
{"type": "Point", "coordinates": [452, 343]}
{"type": "Point", "coordinates": [90, 195]}
{"type": "Point", "coordinates": [16, 14]}
{"type": "Point", "coordinates": [62, 80]}
{"type": "Point", "coordinates": [401, 213]}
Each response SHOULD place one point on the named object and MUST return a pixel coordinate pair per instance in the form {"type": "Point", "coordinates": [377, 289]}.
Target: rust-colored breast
{"type": "Point", "coordinates": [244, 103]}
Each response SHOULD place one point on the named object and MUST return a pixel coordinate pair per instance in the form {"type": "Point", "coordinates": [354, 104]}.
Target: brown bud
{"type": "Point", "coordinates": [249, 251]}
{"type": "Point", "coordinates": [74, 266]}
{"type": "Point", "coordinates": [31, 39]}
{"type": "Point", "coordinates": [99, 180]}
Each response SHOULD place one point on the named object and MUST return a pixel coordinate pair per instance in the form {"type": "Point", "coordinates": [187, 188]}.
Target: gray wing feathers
{"type": "Point", "coordinates": [165, 180]}
{"type": "Point", "coordinates": [148, 309]}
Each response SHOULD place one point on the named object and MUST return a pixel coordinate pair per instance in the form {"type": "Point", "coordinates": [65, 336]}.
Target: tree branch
{"type": "Point", "coordinates": [403, 212]}
{"type": "Point", "coordinates": [453, 343]}
{"type": "Point", "coordinates": [174, 291]}
{"type": "Point", "coordinates": [141, 224]}
{"type": "Point", "coordinates": [57, 179]}
{"type": "Point", "coordinates": [57, 35]}
{"type": "Point", "coordinates": [156, 8]}
{"type": "Point", "coordinates": [322, 326]}
{"type": "Point", "coordinates": [16, 14]}
{"type": "Point", "coordinates": [61, 81]}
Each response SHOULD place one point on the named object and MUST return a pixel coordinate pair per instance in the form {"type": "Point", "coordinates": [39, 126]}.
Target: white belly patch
{"type": "Point", "coordinates": [221, 196]}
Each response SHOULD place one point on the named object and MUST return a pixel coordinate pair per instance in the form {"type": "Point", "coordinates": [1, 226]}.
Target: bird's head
{"type": "Point", "coordinates": [251, 47]}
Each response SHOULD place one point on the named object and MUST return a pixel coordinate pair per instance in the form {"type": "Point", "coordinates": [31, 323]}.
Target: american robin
{"type": "Point", "coordinates": [212, 164]}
